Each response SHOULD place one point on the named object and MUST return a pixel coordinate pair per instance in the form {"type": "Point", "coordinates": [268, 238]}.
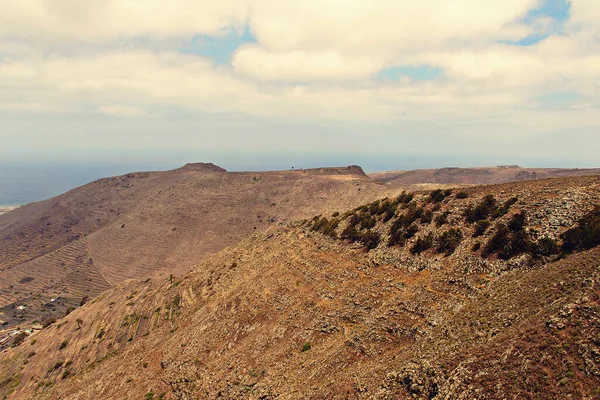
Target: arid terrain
{"type": "Point", "coordinates": [487, 292]}
{"type": "Point", "coordinates": [57, 253]}
{"type": "Point", "coordinates": [476, 176]}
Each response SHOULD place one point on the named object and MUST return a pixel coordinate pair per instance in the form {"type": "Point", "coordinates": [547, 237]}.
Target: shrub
{"type": "Point", "coordinates": [306, 347]}
{"type": "Point", "coordinates": [449, 241]}
{"type": "Point", "coordinates": [47, 322]}
{"type": "Point", "coordinates": [585, 235]}
{"type": "Point", "coordinates": [461, 195]}
{"type": "Point", "coordinates": [486, 206]}
{"type": "Point", "coordinates": [501, 211]}
{"type": "Point", "coordinates": [18, 338]}
{"type": "Point", "coordinates": [370, 239]}
{"type": "Point", "coordinates": [442, 218]}
{"type": "Point", "coordinates": [326, 227]}
{"type": "Point", "coordinates": [368, 222]}
{"type": "Point", "coordinates": [57, 365]}
{"type": "Point", "coordinates": [405, 198]}
{"type": "Point", "coordinates": [545, 247]}
{"type": "Point", "coordinates": [373, 207]}
{"type": "Point", "coordinates": [63, 344]}
{"type": "Point", "coordinates": [499, 241]}
{"type": "Point", "coordinates": [481, 227]}
{"type": "Point", "coordinates": [387, 209]}
{"type": "Point", "coordinates": [410, 231]}
{"type": "Point", "coordinates": [476, 246]}
{"type": "Point", "coordinates": [517, 222]}
{"type": "Point", "coordinates": [436, 196]}
{"type": "Point", "coordinates": [426, 217]}
{"type": "Point", "coordinates": [422, 244]}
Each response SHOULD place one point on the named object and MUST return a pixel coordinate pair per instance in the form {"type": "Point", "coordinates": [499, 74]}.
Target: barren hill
{"type": "Point", "coordinates": [476, 176]}
{"type": "Point", "coordinates": [483, 293]}
{"type": "Point", "coordinates": [85, 241]}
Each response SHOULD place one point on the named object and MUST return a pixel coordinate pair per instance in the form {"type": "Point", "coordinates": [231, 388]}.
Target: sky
{"type": "Point", "coordinates": [261, 84]}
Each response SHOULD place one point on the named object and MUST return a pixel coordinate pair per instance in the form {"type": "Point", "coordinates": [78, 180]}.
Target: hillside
{"type": "Point", "coordinates": [57, 253]}
{"type": "Point", "coordinates": [475, 176]}
{"type": "Point", "coordinates": [500, 301]}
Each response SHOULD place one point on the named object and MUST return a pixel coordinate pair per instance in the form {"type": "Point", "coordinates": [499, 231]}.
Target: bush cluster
{"type": "Point", "coordinates": [449, 241]}
{"type": "Point", "coordinates": [438, 195]}
{"type": "Point", "coordinates": [481, 227]}
{"type": "Point", "coordinates": [512, 240]}
{"type": "Point", "coordinates": [442, 218]}
{"type": "Point", "coordinates": [585, 235]}
{"type": "Point", "coordinates": [488, 208]}
{"type": "Point", "coordinates": [422, 244]}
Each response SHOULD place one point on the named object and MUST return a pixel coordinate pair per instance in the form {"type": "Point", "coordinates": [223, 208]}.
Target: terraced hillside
{"type": "Point", "coordinates": [79, 244]}
{"type": "Point", "coordinates": [411, 296]}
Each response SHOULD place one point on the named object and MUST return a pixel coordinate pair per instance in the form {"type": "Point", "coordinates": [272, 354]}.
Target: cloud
{"type": "Point", "coordinates": [124, 111]}
{"type": "Point", "coordinates": [311, 61]}
{"type": "Point", "coordinates": [295, 66]}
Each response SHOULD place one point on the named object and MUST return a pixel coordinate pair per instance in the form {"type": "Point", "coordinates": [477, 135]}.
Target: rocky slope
{"type": "Point", "coordinates": [354, 305]}
{"type": "Point", "coordinates": [79, 244]}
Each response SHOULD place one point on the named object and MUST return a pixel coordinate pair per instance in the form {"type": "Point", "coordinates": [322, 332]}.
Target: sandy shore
{"type": "Point", "coordinates": [5, 209]}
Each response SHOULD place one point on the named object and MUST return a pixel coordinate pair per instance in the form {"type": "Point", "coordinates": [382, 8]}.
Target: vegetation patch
{"type": "Point", "coordinates": [585, 235]}
{"type": "Point", "coordinates": [449, 241]}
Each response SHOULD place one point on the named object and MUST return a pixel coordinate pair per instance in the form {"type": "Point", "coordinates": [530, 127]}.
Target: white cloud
{"type": "Point", "coordinates": [331, 66]}
{"type": "Point", "coordinates": [313, 60]}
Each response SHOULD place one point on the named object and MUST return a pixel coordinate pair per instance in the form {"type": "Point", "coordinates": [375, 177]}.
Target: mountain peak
{"type": "Point", "coordinates": [203, 167]}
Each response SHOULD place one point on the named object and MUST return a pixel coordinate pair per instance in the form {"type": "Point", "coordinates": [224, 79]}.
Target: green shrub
{"type": "Point", "coordinates": [545, 247]}
{"type": "Point", "coordinates": [481, 227]}
{"type": "Point", "coordinates": [422, 244]}
{"type": "Point", "coordinates": [370, 239]}
{"type": "Point", "coordinates": [426, 217]}
{"type": "Point", "coordinates": [306, 347]}
{"type": "Point", "coordinates": [517, 222]}
{"type": "Point", "coordinates": [405, 198]}
{"type": "Point", "coordinates": [373, 207]}
{"type": "Point", "coordinates": [461, 195]}
{"type": "Point", "coordinates": [63, 344]}
{"type": "Point", "coordinates": [326, 227]}
{"type": "Point", "coordinates": [437, 196]}
{"type": "Point", "coordinates": [499, 241]}
{"type": "Point", "coordinates": [449, 241]}
{"type": "Point", "coordinates": [585, 235]}
{"type": "Point", "coordinates": [503, 210]}
{"type": "Point", "coordinates": [442, 218]}
{"type": "Point", "coordinates": [485, 208]}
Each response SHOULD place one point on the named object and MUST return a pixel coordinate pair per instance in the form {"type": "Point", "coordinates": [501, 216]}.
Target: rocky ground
{"type": "Point", "coordinates": [319, 310]}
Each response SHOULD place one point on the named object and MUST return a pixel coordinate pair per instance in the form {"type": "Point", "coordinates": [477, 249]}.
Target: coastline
{"type": "Point", "coordinates": [5, 209]}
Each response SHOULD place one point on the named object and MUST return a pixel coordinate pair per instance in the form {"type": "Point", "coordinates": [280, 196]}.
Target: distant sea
{"type": "Point", "coordinates": [22, 184]}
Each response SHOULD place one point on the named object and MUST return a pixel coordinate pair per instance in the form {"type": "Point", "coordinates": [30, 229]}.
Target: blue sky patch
{"type": "Point", "coordinates": [558, 98]}
{"type": "Point", "coordinates": [417, 73]}
{"type": "Point", "coordinates": [558, 10]}
{"type": "Point", "coordinates": [219, 48]}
